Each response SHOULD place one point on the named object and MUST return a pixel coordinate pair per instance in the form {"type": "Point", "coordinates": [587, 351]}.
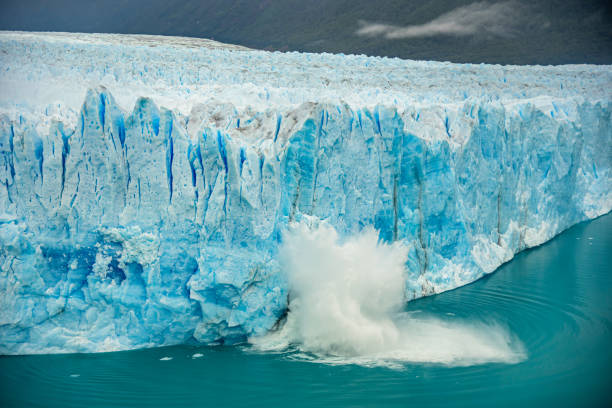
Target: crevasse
{"type": "Point", "coordinates": [122, 229]}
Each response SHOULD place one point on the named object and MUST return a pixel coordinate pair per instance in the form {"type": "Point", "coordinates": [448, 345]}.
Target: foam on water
{"type": "Point", "coordinates": [345, 307]}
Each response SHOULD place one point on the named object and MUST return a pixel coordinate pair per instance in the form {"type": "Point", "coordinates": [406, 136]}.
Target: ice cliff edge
{"type": "Point", "coordinates": [160, 225]}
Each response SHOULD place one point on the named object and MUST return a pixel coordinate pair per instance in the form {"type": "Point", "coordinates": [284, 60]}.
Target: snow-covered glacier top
{"type": "Point", "coordinates": [148, 184]}
{"type": "Point", "coordinates": [180, 72]}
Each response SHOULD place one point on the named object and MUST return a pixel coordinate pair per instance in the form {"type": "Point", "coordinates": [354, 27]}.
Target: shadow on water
{"type": "Point", "coordinates": [555, 298]}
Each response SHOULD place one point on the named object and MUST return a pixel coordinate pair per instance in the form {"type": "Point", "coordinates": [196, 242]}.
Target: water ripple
{"type": "Point", "coordinates": [554, 298]}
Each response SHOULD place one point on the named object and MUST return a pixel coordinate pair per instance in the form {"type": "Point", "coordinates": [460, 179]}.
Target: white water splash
{"type": "Point", "coordinates": [345, 308]}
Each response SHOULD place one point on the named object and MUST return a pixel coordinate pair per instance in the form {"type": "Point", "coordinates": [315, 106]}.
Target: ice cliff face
{"type": "Point", "coordinates": [145, 183]}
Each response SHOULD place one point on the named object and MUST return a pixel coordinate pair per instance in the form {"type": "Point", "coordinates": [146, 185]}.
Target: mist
{"type": "Point", "coordinates": [503, 19]}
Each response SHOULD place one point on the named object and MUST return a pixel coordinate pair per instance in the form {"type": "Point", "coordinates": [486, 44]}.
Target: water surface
{"type": "Point", "coordinates": [554, 298]}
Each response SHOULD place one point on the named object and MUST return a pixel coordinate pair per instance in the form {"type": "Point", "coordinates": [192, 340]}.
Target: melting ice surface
{"type": "Point", "coordinates": [146, 185]}
{"type": "Point", "coordinates": [345, 307]}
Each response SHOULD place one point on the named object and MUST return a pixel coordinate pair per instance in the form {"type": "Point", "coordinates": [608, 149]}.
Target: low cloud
{"type": "Point", "coordinates": [504, 19]}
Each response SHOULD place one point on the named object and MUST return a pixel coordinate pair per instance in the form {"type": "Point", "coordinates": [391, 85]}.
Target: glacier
{"type": "Point", "coordinates": [147, 182]}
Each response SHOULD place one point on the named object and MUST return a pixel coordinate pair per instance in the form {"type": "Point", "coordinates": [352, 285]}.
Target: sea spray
{"type": "Point", "coordinates": [346, 307]}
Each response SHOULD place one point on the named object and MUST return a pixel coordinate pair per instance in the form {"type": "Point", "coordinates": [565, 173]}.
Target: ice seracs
{"type": "Point", "coordinates": [145, 185]}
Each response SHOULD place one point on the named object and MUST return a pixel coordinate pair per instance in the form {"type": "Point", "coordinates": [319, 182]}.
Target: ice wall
{"type": "Point", "coordinates": [125, 226]}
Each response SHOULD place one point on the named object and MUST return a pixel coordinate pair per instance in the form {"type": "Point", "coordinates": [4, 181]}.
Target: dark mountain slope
{"type": "Point", "coordinates": [507, 31]}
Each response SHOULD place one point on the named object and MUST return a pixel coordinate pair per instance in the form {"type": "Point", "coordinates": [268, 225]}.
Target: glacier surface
{"type": "Point", "coordinates": [146, 182]}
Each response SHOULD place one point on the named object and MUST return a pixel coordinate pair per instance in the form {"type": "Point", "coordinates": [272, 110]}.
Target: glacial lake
{"type": "Point", "coordinates": [555, 298]}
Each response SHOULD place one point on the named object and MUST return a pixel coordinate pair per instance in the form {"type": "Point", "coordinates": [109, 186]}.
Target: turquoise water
{"type": "Point", "coordinates": [556, 299]}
